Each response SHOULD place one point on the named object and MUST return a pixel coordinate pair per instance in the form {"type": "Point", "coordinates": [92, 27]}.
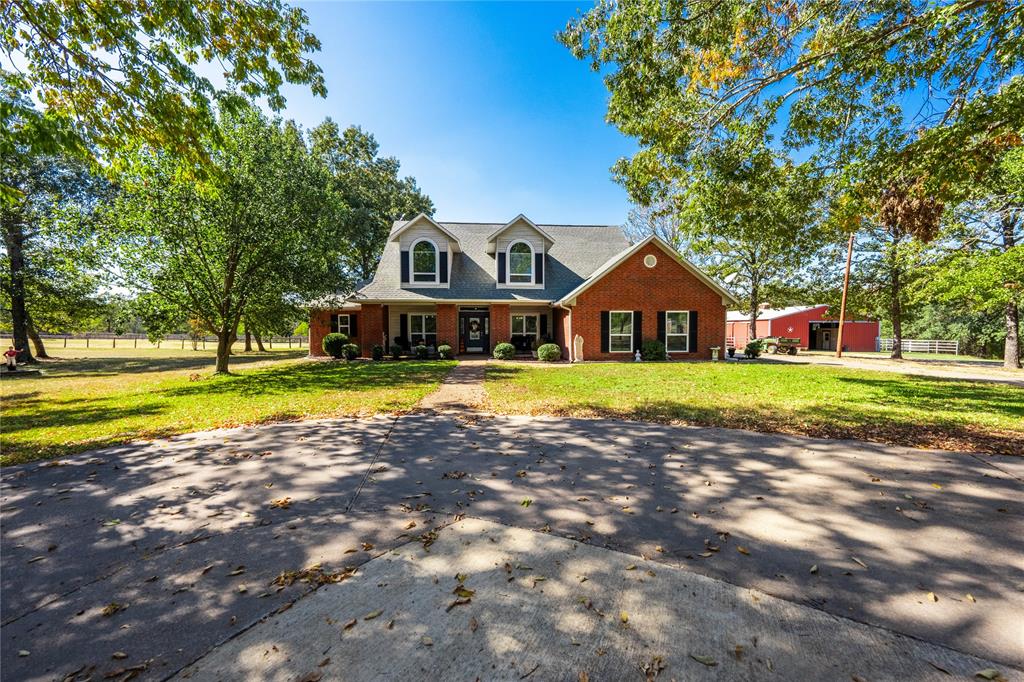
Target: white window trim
{"type": "Point", "coordinates": [610, 334]}
{"type": "Point", "coordinates": [508, 265]}
{"type": "Point", "coordinates": [412, 335]}
{"type": "Point", "coordinates": [685, 336]}
{"type": "Point", "coordinates": [348, 324]}
{"type": "Point", "coordinates": [524, 333]}
{"type": "Point", "coordinates": [412, 263]}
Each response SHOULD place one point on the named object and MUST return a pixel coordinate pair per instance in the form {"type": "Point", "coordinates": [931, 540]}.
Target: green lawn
{"type": "Point", "coordinates": [830, 402]}
{"type": "Point", "coordinates": [105, 399]}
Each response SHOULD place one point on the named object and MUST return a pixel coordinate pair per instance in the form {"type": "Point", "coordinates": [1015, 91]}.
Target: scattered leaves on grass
{"type": "Point", "coordinates": [704, 660]}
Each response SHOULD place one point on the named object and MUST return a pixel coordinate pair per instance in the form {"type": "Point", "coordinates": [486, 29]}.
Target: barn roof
{"type": "Point", "coordinates": [770, 313]}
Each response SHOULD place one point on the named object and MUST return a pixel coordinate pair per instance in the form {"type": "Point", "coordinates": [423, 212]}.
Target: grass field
{"type": "Point", "coordinates": [814, 400]}
{"type": "Point", "coordinates": [103, 398]}
{"type": "Point", "coordinates": [919, 357]}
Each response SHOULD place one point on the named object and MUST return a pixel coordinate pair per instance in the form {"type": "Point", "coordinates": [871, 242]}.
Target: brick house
{"type": "Point", "coordinates": [584, 287]}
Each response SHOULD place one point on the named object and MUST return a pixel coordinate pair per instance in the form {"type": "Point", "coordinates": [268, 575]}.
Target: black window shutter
{"type": "Point", "coordinates": [334, 323]}
{"type": "Point", "coordinates": [538, 266]}
{"type": "Point", "coordinates": [638, 329]}
{"type": "Point", "coordinates": [405, 267]}
{"type": "Point", "coordinates": [662, 322]}
{"type": "Point", "coordinates": [443, 269]}
{"type": "Point", "coordinates": [605, 330]}
{"type": "Point", "coordinates": [403, 328]}
{"type": "Point", "coordinates": [501, 268]}
{"type": "Point", "coordinates": [352, 331]}
{"type": "Point", "coordinates": [544, 325]}
{"type": "Point", "coordinates": [693, 332]}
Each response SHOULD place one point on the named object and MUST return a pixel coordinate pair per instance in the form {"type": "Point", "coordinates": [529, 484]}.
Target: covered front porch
{"type": "Point", "coordinates": [470, 329]}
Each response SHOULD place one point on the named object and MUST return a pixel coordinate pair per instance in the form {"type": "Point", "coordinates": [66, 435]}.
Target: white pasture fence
{"type": "Point", "coordinates": [921, 345]}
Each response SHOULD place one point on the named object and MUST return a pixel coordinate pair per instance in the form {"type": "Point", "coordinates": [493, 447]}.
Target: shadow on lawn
{"type": "Point", "coordinates": [100, 366]}
{"type": "Point", "coordinates": [190, 511]}
{"type": "Point", "coordinates": [952, 426]}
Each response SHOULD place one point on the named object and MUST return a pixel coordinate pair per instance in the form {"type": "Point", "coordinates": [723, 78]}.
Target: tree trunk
{"type": "Point", "coordinates": [1011, 349]}
{"type": "Point", "coordinates": [14, 237]}
{"type": "Point", "coordinates": [259, 342]}
{"type": "Point", "coordinates": [224, 340]}
{"type": "Point", "coordinates": [755, 303]}
{"type": "Point", "coordinates": [248, 340]}
{"type": "Point", "coordinates": [33, 334]}
{"type": "Point", "coordinates": [896, 312]}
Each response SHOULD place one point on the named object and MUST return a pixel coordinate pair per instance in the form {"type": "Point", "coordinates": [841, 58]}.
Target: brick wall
{"type": "Point", "coordinates": [370, 328]}
{"type": "Point", "coordinates": [501, 324]}
{"type": "Point", "coordinates": [634, 286]}
{"type": "Point", "coordinates": [448, 324]}
{"type": "Point", "coordinates": [319, 327]}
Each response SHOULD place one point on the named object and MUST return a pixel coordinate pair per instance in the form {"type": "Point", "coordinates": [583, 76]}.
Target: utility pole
{"type": "Point", "coordinates": [842, 305]}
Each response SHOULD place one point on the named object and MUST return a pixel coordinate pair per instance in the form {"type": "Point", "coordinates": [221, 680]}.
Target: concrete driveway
{"type": "Point", "coordinates": [184, 556]}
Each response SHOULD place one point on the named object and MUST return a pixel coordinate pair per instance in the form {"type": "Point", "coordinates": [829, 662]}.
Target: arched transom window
{"type": "Point", "coordinates": [424, 261]}
{"type": "Point", "coordinates": [520, 263]}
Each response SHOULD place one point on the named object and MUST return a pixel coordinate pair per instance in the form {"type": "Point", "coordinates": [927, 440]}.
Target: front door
{"type": "Point", "coordinates": [826, 340]}
{"type": "Point", "coordinates": [474, 332]}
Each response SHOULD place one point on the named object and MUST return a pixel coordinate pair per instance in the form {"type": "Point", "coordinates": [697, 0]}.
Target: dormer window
{"type": "Point", "coordinates": [424, 261]}
{"type": "Point", "coordinates": [520, 263]}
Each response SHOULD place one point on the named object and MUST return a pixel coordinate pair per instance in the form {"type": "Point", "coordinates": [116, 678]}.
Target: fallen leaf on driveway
{"type": "Point", "coordinates": [742, 550]}
{"type": "Point", "coordinates": [372, 614]}
{"type": "Point", "coordinates": [349, 625]}
{"type": "Point", "coordinates": [238, 571]}
{"type": "Point", "coordinates": [426, 641]}
{"type": "Point", "coordinates": [526, 502]}
{"type": "Point", "coordinates": [112, 608]}
{"type": "Point", "coordinates": [936, 486]}
{"type": "Point", "coordinates": [705, 660]}
{"type": "Point", "coordinates": [623, 616]}
{"type": "Point", "coordinates": [989, 674]}
{"type": "Point", "coordinates": [281, 503]}
{"type": "Point", "coordinates": [653, 669]}
{"type": "Point", "coordinates": [970, 598]}
{"type": "Point", "coordinates": [367, 546]}
{"type": "Point", "coordinates": [119, 655]}
{"type": "Point", "coordinates": [314, 676]}
{"type": "Point", "coordinates": [859, 562]}
{"type": "Point", "coordinates": [932, 597]}
{"type": "Point", "coordinates": [814, 568]}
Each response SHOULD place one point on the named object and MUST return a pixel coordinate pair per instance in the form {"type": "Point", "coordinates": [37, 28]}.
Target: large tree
{"type": "Point", "coordinates": [49, 258]}
{"type": "Point", "coordinates": [265, 226]}
{"type": "Point", "coordinates": [110, 73]}
{"type": "Point", "coordinates": [371, 187]}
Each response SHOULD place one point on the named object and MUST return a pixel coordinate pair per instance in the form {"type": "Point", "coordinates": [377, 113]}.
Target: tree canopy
{"type": "Point", "coordinates": [108, 74]}
{"type": "Point", "coordinates": [267, 226]}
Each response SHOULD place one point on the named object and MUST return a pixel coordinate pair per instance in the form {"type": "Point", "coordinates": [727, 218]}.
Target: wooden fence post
{"type": "Point", "coordinates": [86, 340]}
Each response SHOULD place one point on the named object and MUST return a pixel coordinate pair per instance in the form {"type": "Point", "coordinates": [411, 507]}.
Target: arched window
{"type": "Point", "coordinates": [520, 263]}
{"type": "Point", "coordinates": [424, 261]}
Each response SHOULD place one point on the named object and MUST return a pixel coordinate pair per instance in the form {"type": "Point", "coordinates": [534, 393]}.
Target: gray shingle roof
{"type": "Point", "coordinates": [578, 251]}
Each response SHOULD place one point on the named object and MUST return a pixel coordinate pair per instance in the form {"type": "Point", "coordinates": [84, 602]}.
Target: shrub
{"type": "Point", "coordinates": [378, 352]}
{"type": "Point", "coordinates": [396, 351]}
{"type": "Point", "coordinates": [652, 349]}
{"type": "Point", "coordinates": [504, 351]}
{"type": "Point", "coordinates": [334, 345]}
{"type": "Point", "coordinates": [351, 351]}
{"type": "Point", "coordinates": [445, 351]}
{"type": "Point", "coordinates": [422, 352]}
{"type": "Point", "coordinates": [549, 352]}
{"type": "Point", "coordinates": [754, 348]}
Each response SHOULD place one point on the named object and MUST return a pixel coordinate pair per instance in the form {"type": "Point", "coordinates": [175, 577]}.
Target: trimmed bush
{"type": "Point", "coordinates": [445, 351]}
{"type": "Point", "coordinates": [396, 351]}
{"type": "Point", "coordinates": [351, 351]}
{"type": "Point", "coordinates": [334, 345]}
{"type": "Point", "coordinates": [504, 351]}
{"type": "Point", "coordinates": [549, 352]}
{"type": "Point", "coordinates": [422, 352]}
{"type": "Point", "coordinates": [378, 352]}
{"type": "Point", "coordinates": [652, 349]}
{"type": "Point", "coordinates": [754, 348]}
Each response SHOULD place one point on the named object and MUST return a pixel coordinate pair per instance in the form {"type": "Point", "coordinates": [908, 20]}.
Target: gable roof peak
{"type": "Point", "coordinates": [454, 242]}
{"type": "Point", "coordinates": [548, 239]}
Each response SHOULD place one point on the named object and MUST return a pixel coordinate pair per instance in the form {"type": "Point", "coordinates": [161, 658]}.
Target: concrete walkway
{"type": "Point", "coordinates": [149, 558]}
{"type": "Point", "coordinates": [461, 390]}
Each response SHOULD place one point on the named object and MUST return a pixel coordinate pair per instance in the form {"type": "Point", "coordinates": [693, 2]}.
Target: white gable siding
{"type": "Point", "coordinates": [423, 231]}
{"type": "Point", "coordinates": [520, 232]}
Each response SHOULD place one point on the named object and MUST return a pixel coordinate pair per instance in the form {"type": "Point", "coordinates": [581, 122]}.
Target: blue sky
{"type": "Point", "coordinates": [483, 107]}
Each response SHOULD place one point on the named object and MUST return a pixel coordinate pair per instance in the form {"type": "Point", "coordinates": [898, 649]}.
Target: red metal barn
{"type": "Point", "coordinates": [810, 324]}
